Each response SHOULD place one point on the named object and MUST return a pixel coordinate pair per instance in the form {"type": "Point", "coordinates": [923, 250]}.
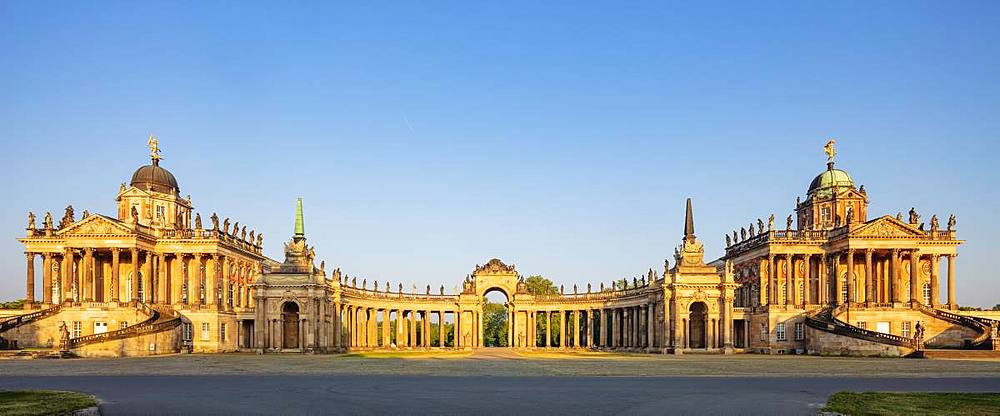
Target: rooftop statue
{"type": "Point", "coordinates": [67, 218]}
{"type": "Point", "coordinates": [197, 220]}
{"type": "Point", "coordinates": [225, 226]}
{"type": "Point", "coordinates": [135, 214]}
{"type": "Point", "coordinates": [760, 226]}
{"type": "Point", "coordinates": [729, 241]}
{"type": "Point", "coordinates": [770, 223]}
{"type": "Point", "coordinates": [788, 222]}
{"type": "Point", "coordinates": [154, 147]}
{"type": "Point", "coordinates": [31, 220]}
{"type": "Point", "coordinates": [934, 223]}
{"type": "Point", "coordinates": [830, 151]}
{"type": "Point", "coordinates": [215, 222]}
{"type": "Point", "coordinates": [951, 222]}
{"type": "Point", "coordinates": [47, 222]}
{"type": "Point", "coordinates": [914, 217]}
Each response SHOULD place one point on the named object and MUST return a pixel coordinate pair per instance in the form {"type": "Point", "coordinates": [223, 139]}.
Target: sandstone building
{"type": "Point", "coordinates": [154, 279]}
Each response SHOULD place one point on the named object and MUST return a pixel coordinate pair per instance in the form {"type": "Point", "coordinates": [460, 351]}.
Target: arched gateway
{"type": "Point", "coordinates": [301, 309]}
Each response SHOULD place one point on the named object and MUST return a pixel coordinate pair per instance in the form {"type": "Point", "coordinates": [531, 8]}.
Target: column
{"type": "Point", "coordinates": [651, 325]}
{"type": "Point", "coordinates": [548, 329]}
{"type": "Point", "coordinates": [399, 328]}
{"type": "Point", "coordinates": [823, 291]}
{"type": "Point", "coordinates": [223, 267]}
{"type": "Point", "coordinates": [442, 332]}
{"type": "Point", "coordinates": [562, 330]}
{"type": "Point", "coordinates": [603, 337]}
{"type": "Point", "coordinates": [135, 277]}
{"type": "Point", "coordinates": [427, 330]}
{"type": "Point", "coordinates": [851, 296]}
{"type": "Point", "coordinates": [47, 279]}
{"type": "Point", "coordinates": [194, 281]}
{"type": "Point", "coordinates": [457, 329]}
{"type": "Point", "coordinates": [838, 285]}
{"type": "Point", "coordinates": [161, 284]}
{"type": "Point", "coordinates": [30, 283]}
{"type": "Point", "coordinates": [789, 280]}
{"type": "Point", "coordinates": [951, 282]}
{"type": "Point", "coordinates": [614, 328]}
{"type": "Point", "coordinates": [413, 329]}
{"type": "Point", "coordinates": [86, 287]}
{"type": "Point", "coordinates": [576, 329]}
{"type": "Point", "coordinates": [479, 327]}
{"type": "Point", "coordinates": [935, 287]}
{"type": "Point", "coordinates": [895, 264]}
{"type": "Point", "coordinates": [869, 281]}
{"type": "Point", "coordinates": [806, 283]}
{"type": "Point", "coordinates": [914, 276]}
{"type": "Point", "coordinates": [115, 273]}
{"type": "Point", "coordinates": [212, 282]}
{"type": "Point", "coordinates": [772, 280]}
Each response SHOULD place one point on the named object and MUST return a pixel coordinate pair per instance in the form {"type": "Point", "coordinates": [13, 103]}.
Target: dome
{"type": "Point", "coordinates": [829, 181]}
{"type": "Point", "coordinates": [154, 178]}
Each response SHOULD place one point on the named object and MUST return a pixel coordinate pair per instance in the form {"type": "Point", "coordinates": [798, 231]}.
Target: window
{"type": "Point", "coordinates": [927, 294]}
{"type": "Point", "coordinates": [123, 325]}
{"type": "Point", "coordinates": [862, 324]}
{"type": "Point", "coordinates": [222, 332]}
{"type": "Point", "coordinates": [906, 330]}
{"type": "Point", "coordinates": [231, 287]}
{"type": "Point", "coordinates": [800, 331]}
{"type": "Point", "coordinates": [160, 212]}
{"type": "Point", "coordinates": [763, 332]}
{"type": "Point", "coordinates": [824, 215]}
{"type": "Point", "coordinates": [205, 333]}
{"type": "Point", "coordinates": [843, 290]}
{"type": "Point", "coordinates": [802, 293]}
{"type": "Point", "coordinates": [187, 332]}
{"type": "Point", "coordinates": [781, 294]}
{"type": "Point", "coordinates": [77, 329]}
{"type": "Point", "coordinates": [142, 296]}
{"type": "Point", "coordinates": [780, 332]}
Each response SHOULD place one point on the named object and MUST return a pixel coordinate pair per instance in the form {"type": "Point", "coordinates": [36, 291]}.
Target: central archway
{"type": "Point", "coordinates": [697, 321]}
{"type": "Point", "coordinates": [496, 318]}
{"type": "Point", "coordinates": [290, 325]}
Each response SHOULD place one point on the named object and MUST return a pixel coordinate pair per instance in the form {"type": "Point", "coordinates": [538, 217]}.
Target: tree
{"type": "Point", "coordinates": [539, 285]}
{"type": "Point", "coordinates": [996, 307]}
{"type": "Point", "coordinates": [15, 304]}
{"type": "Point", "coordinates": [494, 325]}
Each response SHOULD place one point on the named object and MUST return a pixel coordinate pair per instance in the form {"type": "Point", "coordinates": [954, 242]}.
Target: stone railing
{"type": "Point", "coordinates": [825, 319]}
{"type": "Point", "coordinates": [375, 294]}
{"type": "Point", "coordinates": [981, 325]}
{"type": "Point", "coordinates": [212, 234]}
{"type": "Point", "coordinates": [19, 320]}
{"type": "Point", "coordinates": [602, 295]}
{"type": "Point", "coordinates": [149, 326]}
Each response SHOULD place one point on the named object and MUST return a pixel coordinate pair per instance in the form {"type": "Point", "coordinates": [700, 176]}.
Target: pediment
{"type": "Point", "coordinates": [96, 225]}
{"type": "Point", "coordinates": [887, 227]}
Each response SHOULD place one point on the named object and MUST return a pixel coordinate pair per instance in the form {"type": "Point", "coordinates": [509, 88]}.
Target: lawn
{"type": "Point", "coordinates": [41, 402]}
{"type": "Point", "coordinates": [910, 404]}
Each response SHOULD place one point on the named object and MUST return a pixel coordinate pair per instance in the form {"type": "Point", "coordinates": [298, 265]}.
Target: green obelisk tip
{"type": "Point", "coordinates": [300, 228]}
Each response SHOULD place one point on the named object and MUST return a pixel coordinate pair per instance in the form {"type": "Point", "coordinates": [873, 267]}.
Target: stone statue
{"type": "Point", "coordinates": [31, 220]}
{"type": "Point", "coordinates": [400, 288]}
{"type": "Point", "coordinates": [428, 289]}
{"type": "Point", "coordinates": [47, 222]}
{"type": "Point", "coordinates": [154, 147]}
{"type": "Point", "coordinates": [788, 222]}
{"type": "Point", "coordinates": [215, 222]}
{"type": "Point", "coordinates": [751, 229]}
{"type": "Point", "coordinates": [135, 214]}
{"type": "Point", "coordinates": [743, 234]}
{"type": "Point", "coordinates": [243, 233]}
{"type": "Point", "coordinates": [63, 337]}
{"type": "Point", "coordinates": [86, 214]}
{"type": "Point", "coordinates": [236, 229]}
{"type": "Point", "coordinates": [760, 226]}
{"type": "Point", "coordinates": [197, 221]}
{"type": "Point", "coordinates": [850, 215]}
{"type": "Point", "coordinates": [574, 288]}
{"type": "Point", "coordinates": [836, 220]}
{"type": "Point", "coordinates": [562, 290]}
{"type": "Point", "coordinates": [734, 236]}
{"type": "Point", "coordinates": [252, 238]}
{"type": "Point", "coordinates": [899, 216]}
{"type": "Point", "coordinates": [260, 239]}
{"type": "Point", "coordinates": [770, 223]}
{"type": "Point", "coordinates": [614, 286]}
{"type": "Point", "coordinates": [729, 241]}
{"type": "Point", "coordinates": [862, 190]}
{"type": "Point", "coordinates": [934, 223]}
{"type": "Point", "coordinates": [602, 286]}
{"type": "Point", "coordinates": [67, 218]}
{"type": "Point", "coordinates": [914, 217]}
{"type": "Point", "coordinates": [121, 188]}
{"type": "Point", "coordinates": [830, 150]}
{"type": "Point", "coordinates": [588, 287]}
{"type": "Point", "coordinates": [951, 222]}
{"type": "Point", "coordinates": [442, 290]}
{"type": "Point", "coordinates": [322, 266]}
{"type": "Point", "coordinates": [364, 283]}
{"type": "Point", "coordinates": [798, 200]}
{"type": "Point", "coordinates": [354, 282]}
{"type": "Point", "coordinates": [225, 226]}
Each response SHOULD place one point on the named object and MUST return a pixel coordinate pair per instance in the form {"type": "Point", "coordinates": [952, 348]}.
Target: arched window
{"type": "Point", "coordinates": [927, 293]}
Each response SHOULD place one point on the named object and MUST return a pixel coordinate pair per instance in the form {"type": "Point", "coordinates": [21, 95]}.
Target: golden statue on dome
{"type": "Point", "coordinates": [830, 151]}
{"type": "Point", "coordinates": [154, 147]}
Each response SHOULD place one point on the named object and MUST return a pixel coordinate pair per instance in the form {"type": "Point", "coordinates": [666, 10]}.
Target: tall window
{"type": "Point", "coordinates": [187, 332]}
{"type": "Point", "coordinates": [205, 331]}
{"type": "Point", "coordinates": [863, 324]}
{"type": "Point", "coordinates": [927, 293]}
{"type": "Point", "coordinates": [802, 293]}
{"type": "Point", "coordinates": [800, 331]}
{"type": "Point", "coordinates": [77, 329]}
{"type": "Point", "coordinates": [138, 282]}
{"type": "Point", "coordinates": [763, 332]}
{"type": "Point", "coordinates": [843, 290]}
{"type": "Point", "coordinates": [185, 291]}
{"type": "Point", "coordinates": [222, 332]}
{"type": "Point", "coordinates": [160, 212]}
{"type": "Point", "coordinates": [824, 215]}
{"type": "Point", "coordinates": [906, 330]}
{"type": "Point", "coordinates": [781, 294]}
{"type": "Point", "coordinates": [231, 286]}
{"type": "Point", "coordinates": [780, 332]}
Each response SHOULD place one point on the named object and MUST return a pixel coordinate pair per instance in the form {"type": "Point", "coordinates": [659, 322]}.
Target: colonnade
{"type": "Point", "coordinates": [88, 274]}
{"type": "Point", "coordinates": [371, 327]}
{"type": "Point", "coordinates": [879, 279]}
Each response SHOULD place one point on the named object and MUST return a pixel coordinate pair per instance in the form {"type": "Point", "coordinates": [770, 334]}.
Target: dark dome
{"type": "Point", "coordinates": [156, 179]}
{"type": "Point", "coordinates": [828, 182]}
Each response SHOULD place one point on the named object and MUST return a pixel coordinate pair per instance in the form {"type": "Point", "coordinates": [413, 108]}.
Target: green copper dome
{"type": "Point", "coordinates": [829, 181]}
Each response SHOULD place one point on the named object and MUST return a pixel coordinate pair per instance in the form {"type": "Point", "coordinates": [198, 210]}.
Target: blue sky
{"type": "Point", "coordinates": [562, 137]}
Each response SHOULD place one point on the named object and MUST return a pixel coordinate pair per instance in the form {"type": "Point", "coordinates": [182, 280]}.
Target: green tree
{"type": "Point", "coordinates": [996, 307]}
{"type": "Point", "coordinates": [494, 325]}
{"type": "Point", "coordinates": [14, 304]}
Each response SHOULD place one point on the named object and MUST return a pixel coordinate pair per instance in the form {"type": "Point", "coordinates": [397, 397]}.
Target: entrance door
{"type": "Point", "coordinates": [290, 325]}
{"type": "Point", "coordinates": [100, 327]}
{"type": "Point", "coordinates": [698, 318]}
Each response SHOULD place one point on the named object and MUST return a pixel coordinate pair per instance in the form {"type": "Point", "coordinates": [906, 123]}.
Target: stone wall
{"type": "Point", "coordinates": [44, 333]}
{"type": "Point", "coordinates": [164, 342]}
{"type": "Point", "coordinates": [937, 334]}
{"type": "Point", "coordinates": [210, 340]}
{"type": "Point", "coordinates": [825, 343]}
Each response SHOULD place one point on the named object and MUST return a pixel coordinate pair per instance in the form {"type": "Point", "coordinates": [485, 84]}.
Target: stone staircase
{"type": "Point", "coordinates": [14, 322]}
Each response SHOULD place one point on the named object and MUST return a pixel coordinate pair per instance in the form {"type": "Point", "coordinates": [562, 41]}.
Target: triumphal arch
{"type": "Point", "coordinates": [152, 278]}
